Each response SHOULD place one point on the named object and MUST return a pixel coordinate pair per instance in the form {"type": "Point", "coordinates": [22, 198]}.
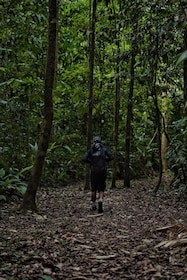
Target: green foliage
{"type": "Point", "coordinates": [177, 151]}
{"type": "Point", "coordinates": [152, 29]}
{"type": "Point", "coordinates": [12, 182]}
{"type": "Point", "coordinates": [182, 57]}
{"type": "Point", "coordinates": [23, 41]}
{"type": "Point", "coordinates": [63, 162]}
{"type": "Point", "coordinates": [178, 146]}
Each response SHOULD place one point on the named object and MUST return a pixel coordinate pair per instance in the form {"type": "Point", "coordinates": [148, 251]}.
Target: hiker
{"type": "Point", "coordinates": [97, 157]}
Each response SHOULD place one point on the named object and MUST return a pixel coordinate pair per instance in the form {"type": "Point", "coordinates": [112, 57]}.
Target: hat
{"type": "Point", "coordinates": [97, 139]}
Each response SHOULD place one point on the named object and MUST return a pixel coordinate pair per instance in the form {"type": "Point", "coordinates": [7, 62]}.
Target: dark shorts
{"type": "Point", "coordinates": [98, 181]}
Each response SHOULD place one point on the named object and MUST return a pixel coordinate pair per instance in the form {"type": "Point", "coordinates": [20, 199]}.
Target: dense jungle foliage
{"type": "Point", "coordinates": [154, 30]}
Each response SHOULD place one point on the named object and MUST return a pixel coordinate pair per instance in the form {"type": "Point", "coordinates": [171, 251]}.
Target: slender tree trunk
{"type": "Point", "coordinates": [183, 21]}
{"type": "Point", "coordinates": [164, 140]}
{"type": "Point", "coordinates": [93, 8]}
{"type": "Point", "coordinates": [128, 123]}
{"type": "Point", "coordinates": [158, 118]}
{"type": "Point", "coordinates": [185, 74]}
{"type": "Point", "coordinates": [117, 105]}
{"type": "Point", "coordinates": [116, 123]}
{"type": "Point", "coordinates": [29, 200]}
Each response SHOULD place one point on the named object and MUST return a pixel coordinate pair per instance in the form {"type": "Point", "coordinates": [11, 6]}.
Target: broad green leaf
{"type": "Point", "coordinates": [24, 170]}
{"type": "Point", "coordinates": [182, 57]}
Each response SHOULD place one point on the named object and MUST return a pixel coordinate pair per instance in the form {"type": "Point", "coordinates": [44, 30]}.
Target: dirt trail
{"type": "Point", "coordinates": [65, 241]}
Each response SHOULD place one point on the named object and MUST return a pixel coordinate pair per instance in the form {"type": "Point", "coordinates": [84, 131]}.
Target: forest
{"type": "Point", "coordinates": [71, 70]}
{"type": "Point", "coordinates": [126, 83]}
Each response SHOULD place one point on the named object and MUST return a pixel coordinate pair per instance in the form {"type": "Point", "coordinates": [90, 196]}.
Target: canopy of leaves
{"type": "Point", "coordinates": [151, 27]}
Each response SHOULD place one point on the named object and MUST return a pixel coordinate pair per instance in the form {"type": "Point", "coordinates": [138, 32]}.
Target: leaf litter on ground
{"type": "Point", "coordinates": [67, 241]}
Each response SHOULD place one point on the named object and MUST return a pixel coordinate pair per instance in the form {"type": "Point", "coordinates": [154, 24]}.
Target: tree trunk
{"type": "Point", "coordinates": [116, 122]}
{"type": "Point", "coordinates": [117, 104]}
{"type": "Point", "coordinates": [158, 118]}
{"type": "Point", "coordinates": [115, 134]}
{"type": "Point", "coordinates": [29, 200]}
{"type": "Point", "coordinates": [183, 21]}
{"type": "Point", "coordinates": [164, 137]}
{"type": "Point", "coordinates": [185, 74]}
{"type": "Point", "coordinates": [128, 123]}
{"type": "Point", "coordinates": [93, 8]}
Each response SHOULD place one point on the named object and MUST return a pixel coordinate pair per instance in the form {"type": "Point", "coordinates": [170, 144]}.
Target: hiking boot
{"type": "Point", "coordinates": [93, 208]}
{"type": "Point", "coordinates": [100, 206]}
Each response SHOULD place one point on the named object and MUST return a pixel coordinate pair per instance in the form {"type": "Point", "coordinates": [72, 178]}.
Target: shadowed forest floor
{"type": "Point", "coordinates": [66, 241]}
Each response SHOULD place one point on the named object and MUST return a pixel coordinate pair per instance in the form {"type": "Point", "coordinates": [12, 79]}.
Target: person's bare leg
{"type": "Point", "coordinates": [101, 196]}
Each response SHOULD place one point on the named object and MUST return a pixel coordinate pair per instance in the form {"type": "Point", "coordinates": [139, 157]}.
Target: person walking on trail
{"type": "Point", "coordinates": [97, 157]}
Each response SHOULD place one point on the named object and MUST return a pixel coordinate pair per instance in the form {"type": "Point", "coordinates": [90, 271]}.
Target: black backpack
{"type": "Point", "coordinates": [98, 159]}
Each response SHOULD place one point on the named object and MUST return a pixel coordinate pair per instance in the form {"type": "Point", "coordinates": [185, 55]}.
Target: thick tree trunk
{"type": "Point", "coordinates": [29, 200]}
{"type": "Point", "coordinates": [93, 8]}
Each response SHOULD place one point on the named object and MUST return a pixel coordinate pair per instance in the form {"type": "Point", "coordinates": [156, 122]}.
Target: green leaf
{"type": "Point", "coordinates": [184, 25]}
{"type": "Point", "coordinates": [2, 172]}
{"type": "Point", "coordinates": [68, 148]}
{"type": "Point", "coordinates": [22, 189]}
{"type": "Point", "coordinates": [182, 57]}
{"type": "Point", "coordinates": [34, 148]}
{"type": "Point", "coordinates": [3, 101]}
{"type": "Point", "coordinates": [24, 170]}
{"type": "Point", "coordinates": [46, 277]}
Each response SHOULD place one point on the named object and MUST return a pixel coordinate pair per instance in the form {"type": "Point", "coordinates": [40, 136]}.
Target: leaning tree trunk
{"type": "Point", "coordinates": [29, 200]}
{"type": "Point", "coordinates": [93, 8]}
